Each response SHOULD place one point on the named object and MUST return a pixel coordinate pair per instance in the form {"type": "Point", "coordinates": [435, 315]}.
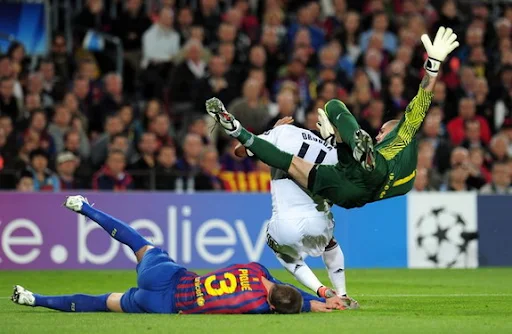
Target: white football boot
{"type": "Point", "coordinates": [350, 303]}
{"type": "Point", "coordinates": [216, 109]}
{"type": "Point", "coordinates": [21, 296]}
{"type": "Point", "coordinates": [325, 127]}
{"type": "Point", "coordinates": [75, 203]}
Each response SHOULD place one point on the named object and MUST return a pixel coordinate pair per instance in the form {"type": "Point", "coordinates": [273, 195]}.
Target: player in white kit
{"type": "Point", "coordinates": [302, 225]}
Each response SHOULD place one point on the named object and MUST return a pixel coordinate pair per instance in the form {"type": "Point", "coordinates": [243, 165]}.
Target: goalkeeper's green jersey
{"type": "Point", "coordinates": [400, 148]}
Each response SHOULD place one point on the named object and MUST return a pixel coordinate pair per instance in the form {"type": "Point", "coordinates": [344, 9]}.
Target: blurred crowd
{"type": "Point", "coordinates": [70, 121]}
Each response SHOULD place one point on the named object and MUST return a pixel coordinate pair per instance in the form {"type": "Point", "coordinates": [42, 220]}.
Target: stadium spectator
{"type": "Point", "coordinates": [501, 180]}
{"type": "Point", "coordinates": [462, 170]}
{"type": "Point", "coordinates": [32, 102]}
{"type": "Point", "coordinates": [184, 23]}
{"type": "Point", "coordinates": [337, 21]}
{"type": "Point", "coordinates": [467, 112]}
{"type": "Point", "coordinates": [503, 109]}
{"type": "Point", "coordinates": [426, 162]}
{"type": "Point", "coordinates": [207, 178]}
{"type": "Point", "coordinates": [285, 107]}
{"type": "Point", "coordinates": [396, 101]}
{"type": "Point", "coordinates": [60, 126]}
{"type": "Point", "coordinates": [82, 93]}
{"type": "Point", "coordinates": [35, 86]}
{"type": "Point", "coordinates": [146, 160]}
{"type": "Point", "coordinates": [421, 183]}
{"type": "Point", "coordinates": [130, 26]}
{"type": "Point", "coordinates": [472, 135]}
{"type": "Point", "coordinates": [185, 77]}
{"type": "Point", "coordinates": [132, 126]}
{"type": "Point", "coordinates": [477, 159]}
{"type": "Point", "coordinates": [64, 62]}
{"type": "Point", "coordinates": [431, 132]}
{"type": "Point", "coordinates": [53, 86]}
{"type": "Point", "coordinates": [99, 150]}
{"type": "Point", "coordinates": [209, 16]}
{"type": "Point", "coordinates": [37, 128]}
{"type": "Point", "coordinates": [165, 169]}
{"type": "Point", "coordinates": [199, 126]}
{"type": "Point", "coordinates": [196, 34]}
{"type": "Point", "coordinates": [159, 44]}
{"type": "Point", "coordinates": [44, 179]}
{"type": "Point", "coordinates": [499, 148]}
{"type": "Point", "coordinates": [218, 83]}
{"type": "Point", "coordinates": [8, 102]}
{"type": "Point", "coordinates": [93, 16]}
{"type": "Point", "coordinates": [112, 100]}
{"type": "Point", "coordinates": [66, 164]}
{"type": "Point", "coordinates": [25, 182]}
{"type": "Point", "coordinates": [380, 25]}
{"type": "Point", "coordinates": [161, 126]}
{"type": "Point", "coordinates": [112, 176]}
{"type": "Point", "coordinates": [249, 108]}
{"type": "Point", "coordinates": [71, 102]}
{"type": "Point", "coordinates": [192, 147]}
{"type": "Point", "coordinates": [305, 19]}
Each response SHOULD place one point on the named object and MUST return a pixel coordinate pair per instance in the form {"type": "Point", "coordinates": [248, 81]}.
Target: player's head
{"type": "Point", "coordinates": [385, 129]}
{"type": "Point", "coordinates": [285, 299]}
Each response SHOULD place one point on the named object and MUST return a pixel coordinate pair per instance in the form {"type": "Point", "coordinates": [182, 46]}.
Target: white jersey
{"type": "Point", "coordinates": [289, 200]}
{"type": "Point", "coordinates": [300, 225]}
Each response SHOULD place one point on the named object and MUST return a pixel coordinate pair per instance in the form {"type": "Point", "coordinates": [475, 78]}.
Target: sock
{"type": "Point", "coordinates": [335, 263]}
{"type": "Point", "coordinates": [73, 303]}
{"type": "Point", "coordinates": [117, 229]}
{"type": "Point", "coordinates": [302, 273]}
{"type": "Point", "coordinates": [265, 151]}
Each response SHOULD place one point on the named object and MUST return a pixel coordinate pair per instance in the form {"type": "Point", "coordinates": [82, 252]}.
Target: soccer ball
{"type": "Point", "coordinates": [442, 238]}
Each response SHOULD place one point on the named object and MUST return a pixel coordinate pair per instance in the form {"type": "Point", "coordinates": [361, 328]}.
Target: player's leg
{"type": "Point", "coordinates": [117, 229]}
{"type": "Point", "coordinates": [69, 303]}
{"type": "Point", "coordinates": [335, 263]}
{"type": "Point", "coordinates": [262, 149]}
{"type": "Point", "coordinates": [350, 132]}
{"type": "Point", "coordinates": [301, 271]}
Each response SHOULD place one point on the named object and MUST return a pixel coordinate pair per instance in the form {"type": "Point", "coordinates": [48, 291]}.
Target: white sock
{"type": "Point", "coordinates": [302, 273]}
{"type": "Point", "coordinates": [335, 264]}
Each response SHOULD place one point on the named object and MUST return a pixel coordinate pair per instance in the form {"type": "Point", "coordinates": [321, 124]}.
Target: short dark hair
{"type": "Point", "coordinates": [285, 299]}
{"type": "Point", "coordinates": [119, 135]}
{"type": "Point", "coordinates": [39, 152]}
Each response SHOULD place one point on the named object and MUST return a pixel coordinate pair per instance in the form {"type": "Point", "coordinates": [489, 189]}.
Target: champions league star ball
{"type": "Point", "coordinates": [442, 238]}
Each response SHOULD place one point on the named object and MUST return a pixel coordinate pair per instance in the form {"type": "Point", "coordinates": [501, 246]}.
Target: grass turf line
{"type": "Point", "coordinates": [392, 301]}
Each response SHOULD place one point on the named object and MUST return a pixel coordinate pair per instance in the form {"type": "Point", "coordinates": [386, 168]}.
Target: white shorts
{"type": "Point", "coordinates": [300, 237]}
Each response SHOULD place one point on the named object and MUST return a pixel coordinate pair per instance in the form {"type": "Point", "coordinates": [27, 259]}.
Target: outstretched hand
{"type": "Point", "coordinates": [317, 306]}
{"type": "Point", "coordinates": [335, 303]}
{"type": "Point", "coordinates": [444, 43]}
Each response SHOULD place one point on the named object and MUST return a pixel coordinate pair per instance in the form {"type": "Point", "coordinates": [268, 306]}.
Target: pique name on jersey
{"type": "Point", "coordinates": [311, 137]}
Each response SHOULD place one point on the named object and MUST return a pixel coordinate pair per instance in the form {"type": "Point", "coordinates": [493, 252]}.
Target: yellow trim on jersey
{"type": "Point", "coordinates": [413, 117]}
{"type": "Point", "coordinates": [405, 179]}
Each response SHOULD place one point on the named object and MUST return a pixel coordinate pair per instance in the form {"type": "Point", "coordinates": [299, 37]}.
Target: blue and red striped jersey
{"type": "Point", "coordinates": [235, 289]}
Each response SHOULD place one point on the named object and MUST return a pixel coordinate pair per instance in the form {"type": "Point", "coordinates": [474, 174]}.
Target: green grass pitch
{"type": "Point", "coordinates": [392, 301]}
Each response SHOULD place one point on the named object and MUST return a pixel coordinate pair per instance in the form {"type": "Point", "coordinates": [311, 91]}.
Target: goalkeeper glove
{"type": "Point", "coordinates": [444, 43]}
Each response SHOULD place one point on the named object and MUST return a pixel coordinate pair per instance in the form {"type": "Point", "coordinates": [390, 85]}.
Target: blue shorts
{"type": "Point", "coordinates": [157, 277]}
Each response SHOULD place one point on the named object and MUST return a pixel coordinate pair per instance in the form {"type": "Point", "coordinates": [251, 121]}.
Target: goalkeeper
{"type": "Point", "coordinates": [365, 173]}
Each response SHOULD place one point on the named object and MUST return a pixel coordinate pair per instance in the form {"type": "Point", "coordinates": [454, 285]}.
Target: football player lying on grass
{"type": "Point", "coordinates": [163, 286]}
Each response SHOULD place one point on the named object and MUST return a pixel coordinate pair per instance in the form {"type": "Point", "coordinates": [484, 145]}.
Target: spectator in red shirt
{"type": "Point", "coordinates": [112, 176]}
{"type": "Point", "coordinates": [467, 112]}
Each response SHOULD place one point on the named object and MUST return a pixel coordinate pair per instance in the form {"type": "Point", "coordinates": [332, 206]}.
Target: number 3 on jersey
{"type": "Point", "coordinates": [226, 285]}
